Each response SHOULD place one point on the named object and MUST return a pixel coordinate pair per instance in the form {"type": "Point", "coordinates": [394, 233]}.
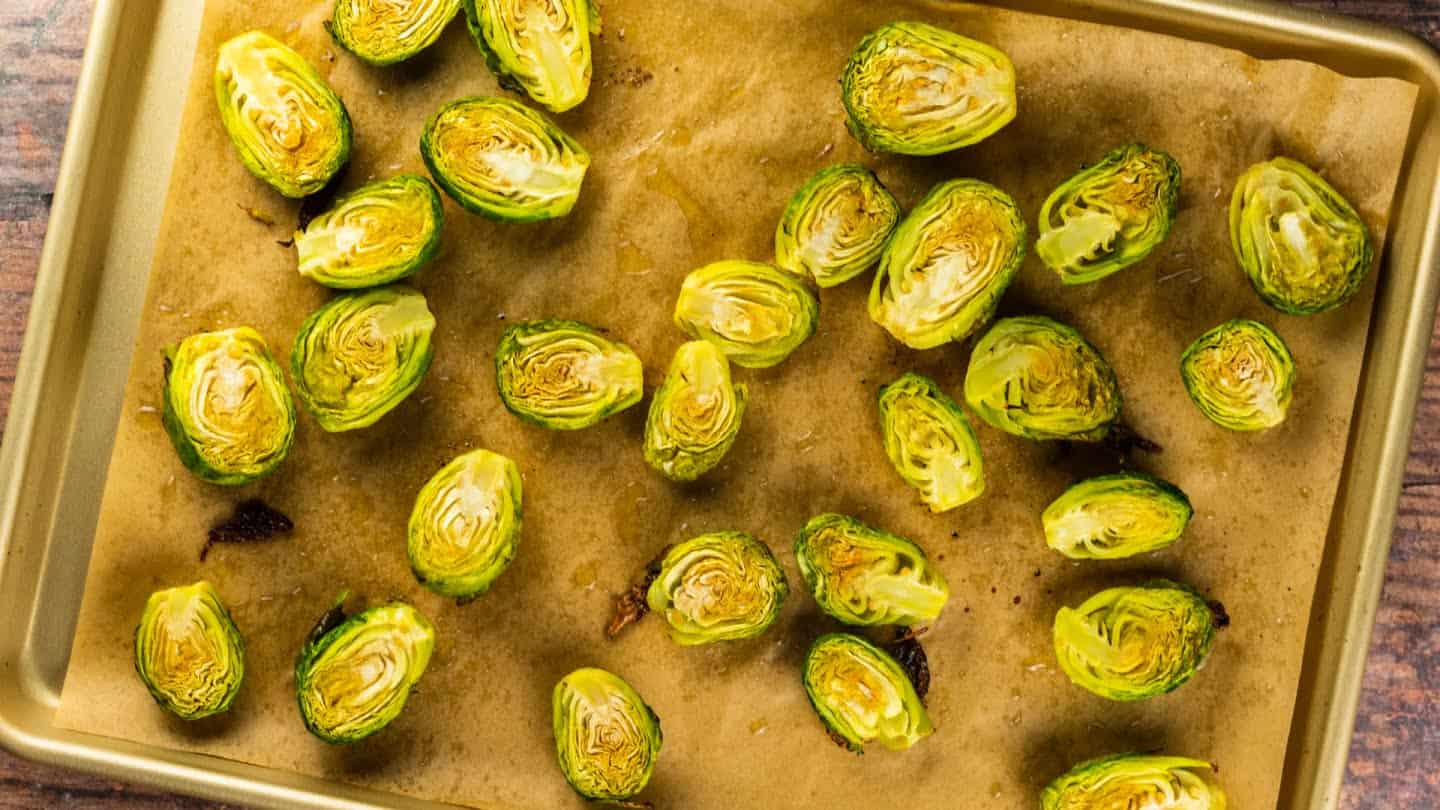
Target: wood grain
{"type": "Point", "coordinates": [1393, 761]}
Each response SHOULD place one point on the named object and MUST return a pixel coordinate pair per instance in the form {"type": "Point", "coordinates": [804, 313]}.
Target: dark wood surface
{"type": "Point", "coordinates": [1395, 758]}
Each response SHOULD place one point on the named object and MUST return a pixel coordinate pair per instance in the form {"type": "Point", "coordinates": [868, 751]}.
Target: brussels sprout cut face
{"type": "Point", "coordinates": [862, 695]}
{"type": "Point", "coordinates": [383, 32]}
{"type": "Point", "coordinates": [1302, 245]}
{"type": "Point", "coordinates": [188, 652]}
{"type": "Point", "coordinates": [914, 89]}
{"type": "Point", "coordinates": [565, 375]}
{"type": "Point", "coordinates": [1116, 516]}
{"type": "Point", "coordinates": [289, 128]}
{"type": "Point", "coordinates": [757, 315]}
{"type": "Point", "coordinates": [836, 225]}
{"type": "Point", "coordinates": [1240, 375]}
{"type": "Point", "coordinates": [465, 527]}
{"type": "Point", "coordinates": [929, 440]}
{"type": "Point", "coordinates": [226, 406]}
{"type": "Point", "coordinates": [1135, 781]}
{"type": "Point", "coordinates": [948, 263]}
{"type": "Point", "coordinates": [1110, 215]}
{"type": "Point", "coordinates": [718, 587]}
{"type": "Point", "coordinates": [502, 159]}
{"type": "Point", "coordinates": [606, 738]}
{"type": "Point", "coordinates": [694, 415]}
{"type": "Point", "coordinates": [864, 576]}
{"type": "Point", "coordinates": [1039, 379]}
{"type": "Point", "coordinates": [377, 234]}
{"type": "Point", "coordinates": [539, 46]}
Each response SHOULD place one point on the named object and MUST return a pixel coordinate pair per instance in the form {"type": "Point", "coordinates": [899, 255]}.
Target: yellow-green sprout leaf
{"type": "Point", "coordinates": [943, 271]}
{"type": "Point", "coordinates": [929, 440]}
{"type": "Point", "coordinates": [1039, 379]}
{"type": "Point", "coordinates": [465, 526]}
{"type": "Point", "coordinates": [1302, 245]}
{"type": "Point", "coordinates": [226, 407]}
{"type": "Point", "coordinates": [757, 315]}
{"type": "Point", "coordinates": [1112, 517]}
{"type": "Point", "coordinates": [1110, 215]}
{"type": "Point", "coordinates": [862, 695]}
{"type": "Point", "coordinates": [354, 675]}
{"type": "Point", "coordinates": [1130, 644]}
{"type": "Point", "coordinates": [541, 48]}
{"type": "Point", "coordinates": [836, 225]}
{"type": "Point", "coordinates": [377, 234]}
{"type": "Point", "coordinates": [361, 354]}
{"type": "Point", "coordinates": [695, 414]}
{"type": "Point", "coordinates": [718, 587]}
{"type": "Point", "coordinates": [288, 127]}
{"type": "Point", "coordinates": [914, 89]}
{"type": "Point", "coordinates": [499, 158]}
{"type": "Point", "coordinates": [864, 576]}
{"type": "Point", "coordinates": [1149, 781]}
{"type": "Point", "coordinates": [1240, 375]}
{"type": "Point", "coordinates": [606, 738]}
{"type": "Point", "coordinates": [383, 32]}
{"type": "Point", "coordinates": [565, 375]}
{"type": "Point", "coordinates": [188, 652]}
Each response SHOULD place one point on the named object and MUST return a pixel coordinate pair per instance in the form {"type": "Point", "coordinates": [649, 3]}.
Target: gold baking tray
{"type": "Point", "coordinates": [91, 286]}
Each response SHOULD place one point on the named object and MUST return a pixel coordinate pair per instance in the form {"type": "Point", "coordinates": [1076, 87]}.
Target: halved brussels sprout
{"type": "Point", "coordinates": [377, 234]}
{"type": "Point", "coordinates": [914, 89]}
{"type": "Point", "coordinates": [943, 271]}
{"type": "Point", "coordinates": [864, 576]}
{"type": "Point", "coordinates": [383, 32]}
{"type": "Point", "coordinates": [1110, 215]}
{"type": "Point", "coordinates": [718, 587]}
{"type": "Point", "coordinates": [502, 159]}
{"type": "Point", "coordinates": [1240, 375]}
{"type": "Point", "coordinates": [354, 675]}
{"type": "Point", "coordinates": [565, 375]}
{"type": "Point", "coordinates": [1150, 781]}
{"type": "Point", "coordinates": [465, 527]}
{"type": "Point", "coordinates": [606, 738]}
{"type": "Point", "coordinates": [757, 315]}
{"type": "Point", "coordinates": [188, 652]}
{"type": "Point", "coordinates": [289, 128]}
{"type": "Point", "coordinates": [540, 48]}
{"type": "Point", "coordinates": [836, 225]}
{"type": "Point", "coordinates": [226, 407]}
{"type": "Point", "coordinates": [695, 414]}
{"type": "Point", "coordinates": [929, 440]}
{"type": "Point", "coordinates": [1130, 644]}
{"type": "Point", "coordinates": [361, 354]}
{"type": "Point", "coordinates": [1112, 517]}
{"type": "Point", "coordinates": [862, 695]}
{"type": "Point", "coordinates": [1039, 379]}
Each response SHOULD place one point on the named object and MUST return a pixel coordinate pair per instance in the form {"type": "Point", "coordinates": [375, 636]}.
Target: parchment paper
{"type": "Point", "coordinates": [703, 120]}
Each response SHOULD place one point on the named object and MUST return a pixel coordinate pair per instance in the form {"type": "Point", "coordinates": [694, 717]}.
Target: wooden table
{"type": "Point", "coordinates": [1394, 761]}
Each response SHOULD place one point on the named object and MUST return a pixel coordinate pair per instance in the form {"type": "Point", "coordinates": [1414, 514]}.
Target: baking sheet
{"type": "Point", "coordinates": [700, 129]}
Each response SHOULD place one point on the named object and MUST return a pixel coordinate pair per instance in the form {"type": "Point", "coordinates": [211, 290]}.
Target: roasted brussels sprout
{"type": "Point", "coordinates": [757, 315]}
{"type": "Point", "coordinates": [1039, 379]}
{"type": "Point", "coordinates": [540, 48]}
{"type": "Point", "coordinates": [718, 587]}
{"type": "Point", "coordinates": [836, 225]}
{"type": "Point", "coordinates": [929, 440]}
{"type": "Point", "coordinates": [188, 652]}
{"type": "Point", "coordinates": [1116, 516]}
{"type": "Point", "coordinates": [695, 414]}
{"type": "Point", "coordinates": [1110, 215]}
{"type": "Point", "coordinates": [465, 527]}
{"type": "Point", "coordinates": [1135, 780]}
{"type": "Point", "coordinates": [914, 89]}
{"type": "Point", "coordinates": [289, 128]}
{"type": "Point", "coordinates": [606, 738]}
{"type": "Point", "coordinates": [502, 159]}
{"type": "Point", "coordinates": [1240, 375]}
{"type": "Point", "coordinates": [361, 354]}
{"type": "Point", "coordinates": [354, 674]}
{"type": "Point", "coordinates": [226, 407]}
{"type": "Point", "coordinates": [945, 268]}
{"type": "Point", "coordinates": [377, 234]}
{"type": "Point", "coordinates": [383, 32]}
{"type": "Point", "coordinates": [864, 576]}
{"type": "Point", "coordinates": [1135, 643]}
{"type": "Point", "coordinates": [565, 375]}
{"type": "Point", "coordinates": [862, 695]}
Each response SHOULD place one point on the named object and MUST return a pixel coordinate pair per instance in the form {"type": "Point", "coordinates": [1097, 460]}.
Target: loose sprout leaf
{"type": "Point", "coordinates": [862, 695]}
{"type": "Point", "coordinates": [1112, 517]}
{"type": "Point", "coordinates": [863, 576]}
{"type": "Point", "coordinates": [379, 233]}
{"type": "Point", "coordinates": [1241, 375]}
{"type": "Point", "coordinates": [565, 375]}
{"type": "Point", "coordinates": [540, 48]}
{"type": "Point", "coordinates": [695, 415]}
{"type": "Point", "coordinates": [188, 652]}
{"type": "Point", "coordinates": [631, 605]}
{"type": "Point", "coordinates": [384, 32]}
{"type": "Point", "coordinates": [1136, 780]}
{"type": "Point", "coordinates": [910, 655]}
{"type": "Point", "coordinates": [836, 225]}
{"type": "Point", "coordinates": [720, 586]}
{"type": "Point", "coordinates": [253, 521]}
{"type": "Point", "coordinates": [754, 313]}
{"type": "Point", "coordinates": [929, 440]}
{"type": "Point", "coordinates": [606, 738]}
{"type": "Point", "coordinates": [465, 526]}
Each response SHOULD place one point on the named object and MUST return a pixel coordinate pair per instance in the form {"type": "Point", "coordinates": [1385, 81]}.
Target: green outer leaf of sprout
{"type": "Point", "coordinates": [863, 576]}
{"type": "Point", "coordinates": [1255, 379]}
{"type": "Point", "coordinates": [929, 440]}
{"type": "Point", "coordinates": [1136, 780]}
{"type": "Point", "coordinates": [836, 225]}
{"type": "Point", "coordinates": [380, 233]}
{"type": "Point", "coordinates": [843, 673]}
{"type": "Point", "coordinates": [465, 527]}
{"type": "Point", "coordinates": [385, 33]}
{"type": "Point", "coordinates": [606, 737]}
{"type": "Point", "coordinates": [1112, 517]}
{"type": "Point", "coordinates": [608, 379]}
{"type": "Point", "coordinates": [695, 415]}
{"type": "Point", "coordinates": [754, 313]}
{"type": "Point", "coordinates": [551, 66]}
{"type": "Point", "coordinates": [202, 676]}
{"type": "Point", "coordinates": [720, 586]}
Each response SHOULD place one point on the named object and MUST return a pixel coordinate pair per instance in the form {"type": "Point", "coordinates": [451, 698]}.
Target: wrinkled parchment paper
{"type": "Point", "coordinates": [702, 121]}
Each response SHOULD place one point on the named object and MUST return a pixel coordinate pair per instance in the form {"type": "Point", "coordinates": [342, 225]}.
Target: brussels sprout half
{"type": "Point", "coordinates": [188, 652]}
{"type": "Point", "coordinates": [226, 407]}
{"type": "Point", "coordinates": [1039, 379]}
{"type": "Point", "coordinates": [606, 738]}
{"type": "Point", "coordinates": [914, 89]}
{"type": "Point", "coordinates": [757, 315]}
{"type": "Point", "coordinates": [465, 526]}
{"type": "Point", "coordinates": [1116, 516]}
{"type": "Point", "coordinates": [289, 128]}
{"type": "Point", "coordinates": [383, 32]}
{"type": "Point", "coordinates": [720, 586]}
{"type": "Point", "coordinates": [565, 375]}
{"type": "Point", "coordinates": [1150, 781]}
{"type": "Point", "coordinates": [943, 271]}
{"type": "Point", "coordinates": [836, 225]}
{"type": "Point", "coordinates": [862, 695]}
{"type": "Point", "coordinates": [540, 48]}
{"type": "Point", "coordinates": [1240, 375]}
{"type": "Point", "coordinates": [499, 158]}
{"type": "Point", "coordinates": [929, 440]}
{"type": "Point", "coordinates": [1110, 215]}
{"type": "Point", "coordinates": [864, 576]}
{"type": "Point", "coordinates": [695, 414]}
{"type": "Point", "coordinates": [379, 233]}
